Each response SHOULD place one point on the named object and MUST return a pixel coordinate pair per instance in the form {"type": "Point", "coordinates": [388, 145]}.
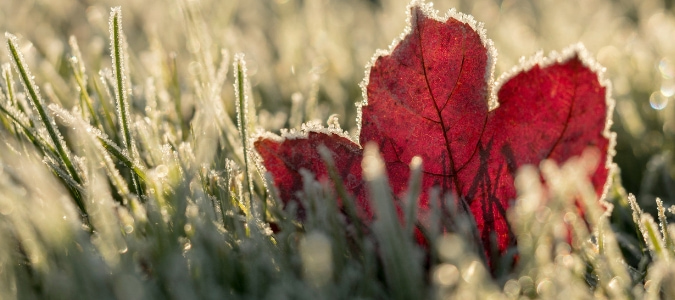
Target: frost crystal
{"type": "Point", "coordinates": [77, 56]}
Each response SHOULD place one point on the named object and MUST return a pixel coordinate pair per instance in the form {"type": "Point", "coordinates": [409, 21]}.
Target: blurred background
{"type": "Point", "coordinates": [306, 58]}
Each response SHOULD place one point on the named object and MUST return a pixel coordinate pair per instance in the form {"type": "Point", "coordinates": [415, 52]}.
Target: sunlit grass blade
{"type": "Point", "coordinates": [5, 123]}
{"type": "Point", "coordinates": [637, 221]}
{"type": "Point", "coordinates": [91, 137]}
{"type": "Point", "coordinates": [240, 88]}
{"type": "Point", "coordinates": [347, 199]}
{"type": "Point", "coordinates": [79, 72]}
{"type": "Point", "coordinates": [176, 94]}
{"type": "Point", "coordinates": [63, 174]}
{"type": "Point", "coordinates": [653, 238]}
{"type": "Point", "coordinates": [9, 95]}
{"type": "Point", "coordinates": [9, 82]}
{"type": "Point", "coordinates": [106, 100]}
{"type": "Point", "coordinates": [663, 224]}
{"type": "Point", "coordinates": [121, 94]}
{"type": "Point", "coordinates": [412, 195]}
{"type": "Point", "coordinates": [24, 123]}
{"type": "Point", "coordinates": [400, 257]}
{"type": "Point", "coordinates": [48, 122]}
{"type": "Point", "coordinates": [122, 156]}
{"type": "Point", "coordinates": [209, 83]}
{"type": "Point", "coordinates": [111, 149]}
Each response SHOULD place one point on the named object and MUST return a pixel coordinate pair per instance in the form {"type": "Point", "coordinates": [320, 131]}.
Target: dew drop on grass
{"type": "Point", "coordinates": [446, 274]}
{"type": "Point", "coordinates": [668, 87]}
{"type": "Point", "coordinates": [658, 101]}
{"type": "Point", "coordinates": [472, 272]}
{"type": "Point", "coordinates": [546, 287]}
{"type": "Point", "coordinates": [316, 255]}
{"type": "Point", "coordinates": [161, 171]}
{"type": "Point", "coordinates": [615, 283]}
{"type": "Point", "coordinates": [526, 283]}
{"type": "Point", "coordinates": [666, 68]}
{"type": "Point", "coordinates": [570, 218]}
{"type": "Point", "coordinates": [6, 208]}
{"type": "Point", "coordinates": [512, 288]}
{"type": "Point", "coordinates": [450, 247]}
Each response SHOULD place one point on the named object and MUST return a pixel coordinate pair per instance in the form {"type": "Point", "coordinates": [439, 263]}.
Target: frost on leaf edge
{"type": "Point", "coordinates": [305, 129]}
{"type": "Point", "coordinates": [429, 12]}
{"type": "Point", "coordinates": [554, 57]}
{"type": "Point", "coordinates": [313, 126]}
{"type": "Point", "coordinates": [493, 86]}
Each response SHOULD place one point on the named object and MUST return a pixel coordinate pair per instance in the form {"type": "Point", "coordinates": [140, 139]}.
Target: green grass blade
{"type": "Point", "coordinates": [5, 123]}
{"type": "Point", "coordinates": [103, 92]}
{"type": "Point", "coordinates": [242, 120]}
{"type": "Point", "coordinates": [118, 153]}
{"type": "Point", "coordinates": [9, 82]}
{"type": "Point", "coordinates": [177, 96]}
{"type": "Point", "coordinates": [92, 137]}
{"type": "Point", "coordinates": [22, 121]}
{"type": "Point", "coordinates": [347, 199]}
{"type": "Point", "coordinates": [412, 195]}
{"type": "Point", "coordinates": [118, 56]}
{"type": "Point", "coordinates": [402, 263]}
{"type": "Point", "coordinates": [653, 237]}
{"type": "Point", "coordinates": [34, 95]}
{"type": "Point", "coordinates": [663, 223]}
{"type": "Point", "coordinates": [79, 72]}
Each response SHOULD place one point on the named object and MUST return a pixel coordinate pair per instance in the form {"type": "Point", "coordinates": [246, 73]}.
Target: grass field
{"type": "Point", "coordinates": [124, 175]}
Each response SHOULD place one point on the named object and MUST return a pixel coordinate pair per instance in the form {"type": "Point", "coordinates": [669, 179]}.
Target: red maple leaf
{"type": "Point", "coordinates": [433, 96]}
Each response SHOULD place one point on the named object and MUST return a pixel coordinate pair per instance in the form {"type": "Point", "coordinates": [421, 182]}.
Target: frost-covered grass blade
{"type": "Point", "coordinates": [118, 53]}
{"type": "Point", "coordinates": [46, 120]}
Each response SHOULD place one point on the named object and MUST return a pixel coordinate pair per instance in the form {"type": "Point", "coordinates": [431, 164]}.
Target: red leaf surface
{"type": "Point", "coordinates": [431, 96]}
